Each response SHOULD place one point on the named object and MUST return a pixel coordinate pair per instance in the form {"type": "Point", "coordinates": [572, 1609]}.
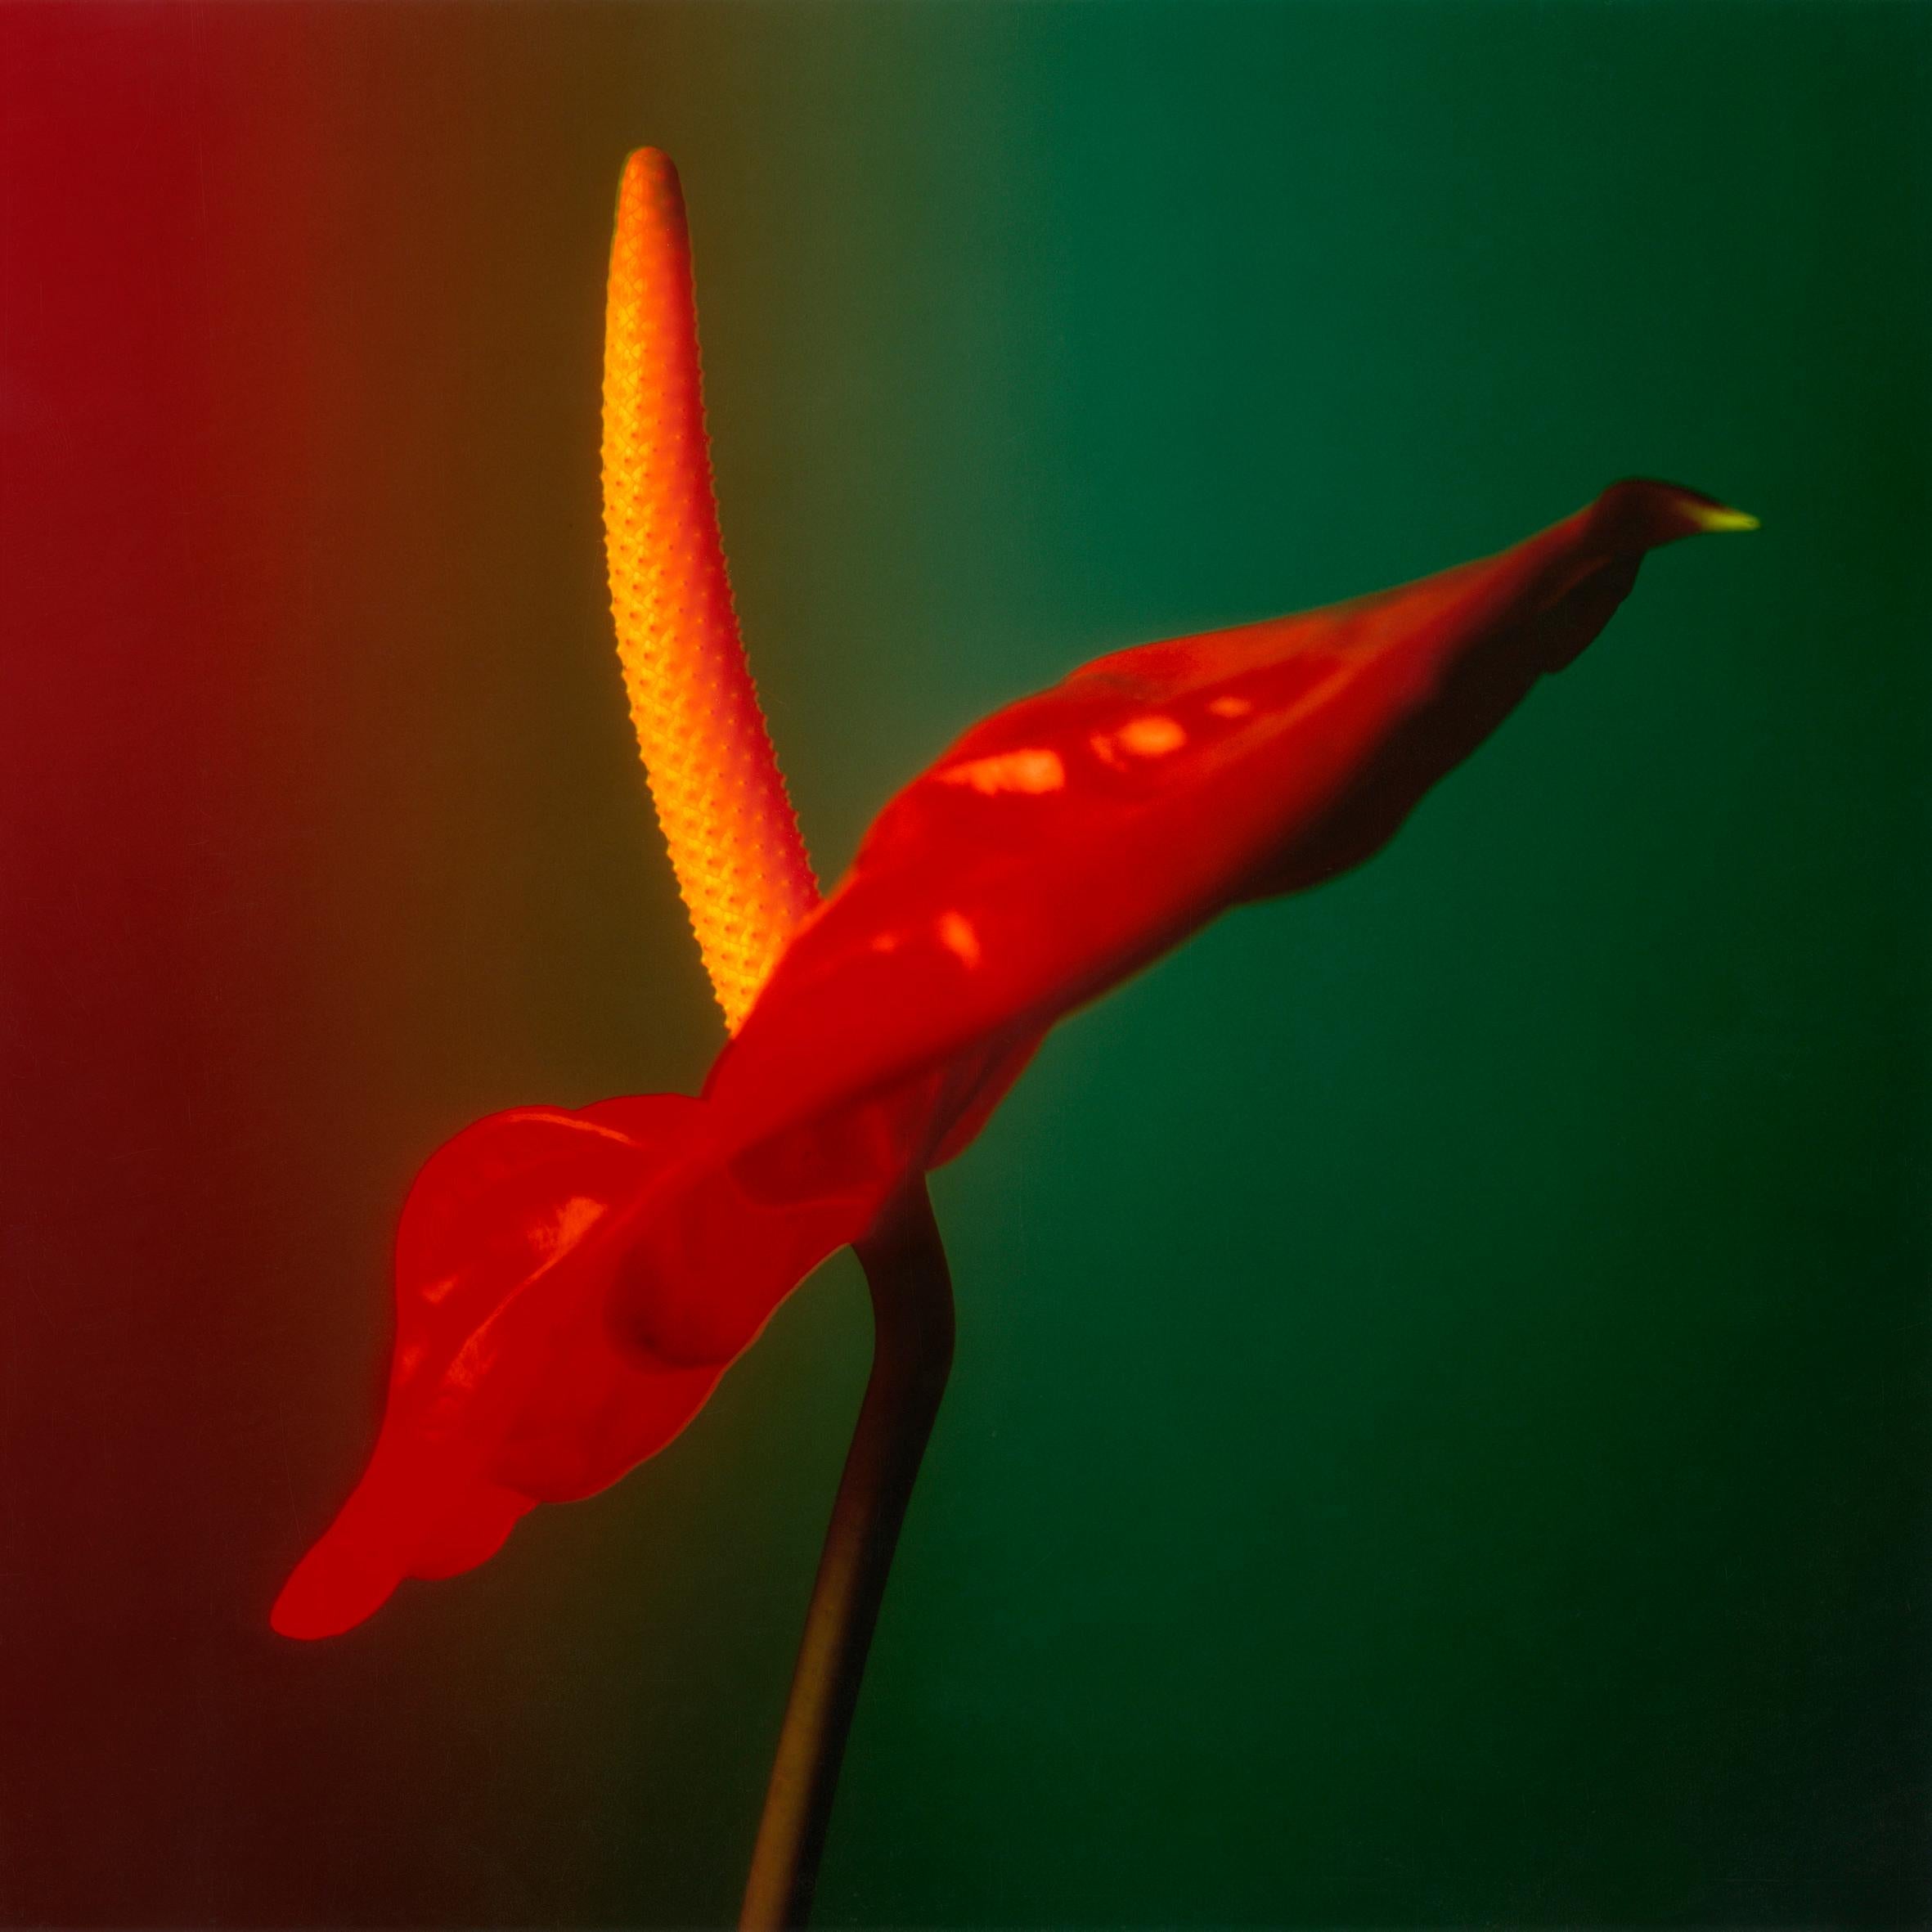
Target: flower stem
{"type": "Point", "coordinates": [912, 1351]}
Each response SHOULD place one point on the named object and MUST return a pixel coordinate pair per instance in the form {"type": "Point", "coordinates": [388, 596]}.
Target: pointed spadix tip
{"type": "Point", "coordinates": [650, 198]}
{"type": "Point", "coordinates": [649, 177]}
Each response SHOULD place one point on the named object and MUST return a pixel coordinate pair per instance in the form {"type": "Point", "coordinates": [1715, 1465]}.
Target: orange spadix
{"type": "Point", "coordinates": [733, 838]}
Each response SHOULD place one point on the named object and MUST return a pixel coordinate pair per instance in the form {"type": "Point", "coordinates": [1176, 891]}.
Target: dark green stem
{"type": "Point", "coordinates": [912, 1350]}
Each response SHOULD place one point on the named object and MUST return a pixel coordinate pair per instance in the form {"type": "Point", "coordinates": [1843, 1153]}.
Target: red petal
{"type": "Point", "coordinates": [1072, 837]}
{"type": "Point", "coordinates": [508, 1385]}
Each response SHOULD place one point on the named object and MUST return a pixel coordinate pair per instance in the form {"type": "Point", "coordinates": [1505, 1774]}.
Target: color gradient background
{"type": "Point", "coordinates": [1441, 1433]}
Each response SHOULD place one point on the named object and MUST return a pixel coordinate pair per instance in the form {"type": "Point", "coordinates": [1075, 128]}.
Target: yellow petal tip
{"type": "Point", "coordinates": [1719, 516]}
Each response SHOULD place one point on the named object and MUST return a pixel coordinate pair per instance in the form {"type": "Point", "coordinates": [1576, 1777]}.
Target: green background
{"type": "Point", "coordinates": [1440, 1430]}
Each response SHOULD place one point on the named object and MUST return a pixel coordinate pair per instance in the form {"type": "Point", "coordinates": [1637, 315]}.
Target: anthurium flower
{"type": "Point", "coordinates": [571, 1284]}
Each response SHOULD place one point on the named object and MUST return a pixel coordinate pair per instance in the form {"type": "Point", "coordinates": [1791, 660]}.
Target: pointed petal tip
{"type": "Point", "coordinates": [307, 1615]}
{"type": "Point", "coordinates": [1698, 515]}
{"type": "Point", "coordinates": [329, 1593]}
{"type": "Point", "coordinates": [1720, 516]}
{"type": "Point", "coordinates": [1640, 513]}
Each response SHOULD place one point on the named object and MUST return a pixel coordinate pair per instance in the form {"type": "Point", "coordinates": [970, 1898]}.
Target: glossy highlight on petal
{"type": "Point", "coordinates": [733, 837]}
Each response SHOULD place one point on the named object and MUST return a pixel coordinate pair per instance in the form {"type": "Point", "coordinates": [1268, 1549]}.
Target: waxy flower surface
{"type": "Point", "coordinates": [571, 1284]}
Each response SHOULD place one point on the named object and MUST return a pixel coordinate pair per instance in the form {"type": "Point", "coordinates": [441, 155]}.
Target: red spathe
{"type": "Point", "coordinates": [570, 1286]}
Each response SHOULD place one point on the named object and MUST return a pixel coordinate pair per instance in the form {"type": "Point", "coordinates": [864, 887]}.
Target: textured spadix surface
{"type": "Point", "coordinates": [733, 841]}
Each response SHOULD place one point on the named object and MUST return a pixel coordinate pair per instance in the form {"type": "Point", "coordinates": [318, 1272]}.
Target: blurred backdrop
{"type": "Point", "coordinates": [1440, 1434]}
